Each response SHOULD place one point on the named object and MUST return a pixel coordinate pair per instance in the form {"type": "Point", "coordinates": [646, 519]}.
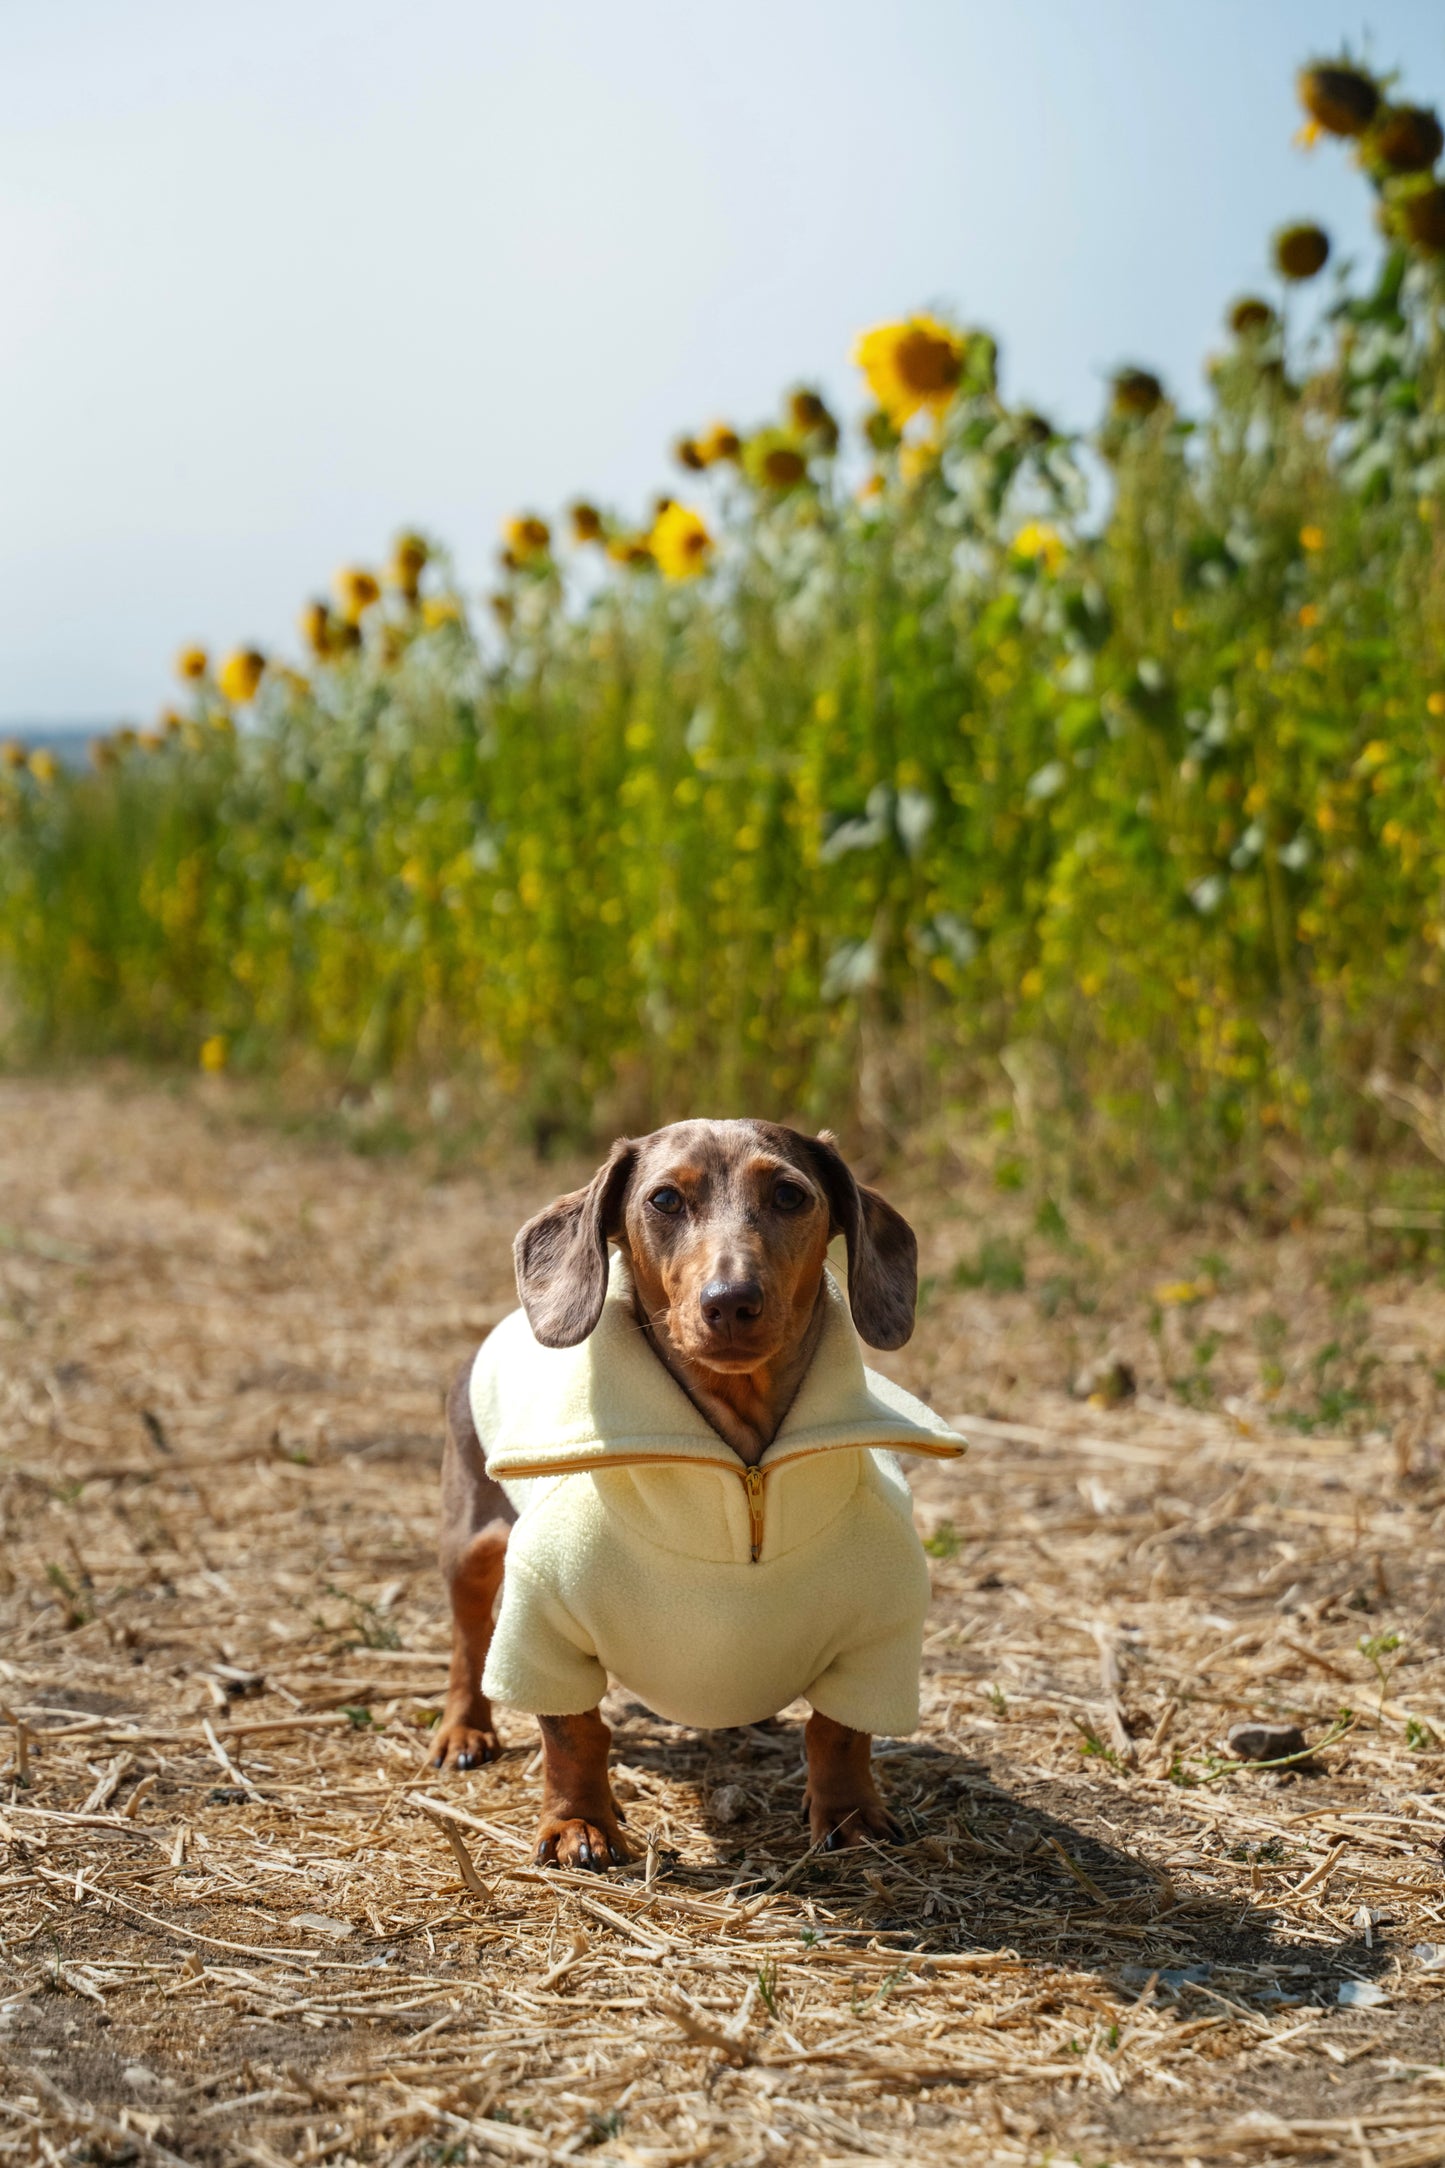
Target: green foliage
{"type": "Point", "coordinates": [910, 779]}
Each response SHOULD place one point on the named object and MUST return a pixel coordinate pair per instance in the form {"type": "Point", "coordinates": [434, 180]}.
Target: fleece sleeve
{"type": "Point", "coordinates": [540, 1659]}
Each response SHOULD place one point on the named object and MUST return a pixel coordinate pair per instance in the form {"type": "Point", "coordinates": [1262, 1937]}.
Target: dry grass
{"type": "Point", "coordinates": [230, 1932]}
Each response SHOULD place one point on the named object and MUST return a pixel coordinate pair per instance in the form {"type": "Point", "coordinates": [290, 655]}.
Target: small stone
{"type": "Point", "coordinates": [140, 2079]}
{"type": "Point", "coordinates": [728, 1804]}
{"type": "Point", "coordinates": [1266, 1742]}
{"type": "Point", "coordinates": [319, 1923]}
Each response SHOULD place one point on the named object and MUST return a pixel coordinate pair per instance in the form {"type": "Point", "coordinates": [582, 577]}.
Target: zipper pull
{"type": "Point", "coordinates": [753, 1485]}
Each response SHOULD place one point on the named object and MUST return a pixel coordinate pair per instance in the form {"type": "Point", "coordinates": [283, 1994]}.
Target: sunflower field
{"type": "Point", "coordinates": [873, 766]}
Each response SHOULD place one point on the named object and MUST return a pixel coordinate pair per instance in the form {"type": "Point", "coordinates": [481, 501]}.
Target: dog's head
{"type": "Point", "coordinates": [726, 1226]}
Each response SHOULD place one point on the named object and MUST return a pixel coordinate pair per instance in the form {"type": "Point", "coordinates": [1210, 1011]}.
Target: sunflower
{"type": "Point", "coordinates": [632, 550]}
{"type": "Point", "coordinates": [1301, 252]}
{"type": "Point", "coordinates": [688, 453]}
{"type": "Point", "coordinates": [1341, 99]}
{"type": "Point", "coordinates": [103, 755]}
{"type": "Point", "coordinates": [409, 555]}
{"type": "Point", "coordinates": [1136, 393]}
{"type": "Point", "coordinates": [1407, 138]}
{"type": "Point", "coordinates": [527, 538]}
{"type": "Point", "coordinates": [809, 416]}
{"type": "Point", "coordinates": [504, 609]}
{"type": "Point", "coordinates": [586, 522]}
{"type": "Point", "coordinates": [356, 591]}
{"type": "Point", "coordinates": [773, 460]}
{"type": "Point", "coordinates": [912, 367]}
{"type": "Point", "coordinates": [720, 444]}
{"type": "Point", "coordinates": [1034, 429]}
{"type": "Point", "coordinates": [149, 741]}
{"type": "Point", "coordinates": [317, 629]}
{"type": "Point", "coordinates": [680, 543]}
{"type": "Point", "coordinates": [42, 765]}
{"type": "Point", "coordinates": [439, 610]}
{"type": "Point", "coordinates": [240, 675]}
{"type": "Point", "coordinates": [12, 756]}
{"type": "Point", "coordinates": [1041, 543]}
{"type": "Point", "coordinates": [192, 663]}
{"type": "Point", "coordinates": [1420, 216]}
{"type": "Point", "coordinates": [1250, 316]}
{"type": "Point", "coordinates": [879, 430]}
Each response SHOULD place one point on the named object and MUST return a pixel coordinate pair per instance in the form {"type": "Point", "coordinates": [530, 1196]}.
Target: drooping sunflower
{"type": "Point", "coordinates": [356, 591]}
{"type": "Point", "coordinates": [192, 663]}
{"type": "Point", "coordinates": [1339, 97]}
{"type": "Point", "coordinates": [809, 415]}
{"type": "Point", "coordinates": [317, 629]}
{"type": "Point", "coordinates": [1419, 215]}
{"type": "Point", "coordinates": [1406, 138]}
{"type": "Point", "coordinates": [409, 555]}
{"type": "Point", "coordinates": [586, 522]}
{"type": "Point", "coordinates": [1249, 316]}
{"type": "Point", "coordinates": [912, 367]}
{"type": "Point", "coordinates": [528, 538]}
{"type": "Point", "coordinates": [773, 461]}
{"type": "Point", "coordinates": [1136, 393]}
{"type": "Point", "coordinates": [720, 444]}
{"type": "Point", "coordinates": [240, 675]}
{"type": "Point", "coordinates": [1301, 252]}
{"type": "Point", "coordinates": [681, 543]}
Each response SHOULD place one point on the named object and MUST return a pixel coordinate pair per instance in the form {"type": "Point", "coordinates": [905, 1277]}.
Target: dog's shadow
{"type": "Point", "coordinates": [982, 1868]}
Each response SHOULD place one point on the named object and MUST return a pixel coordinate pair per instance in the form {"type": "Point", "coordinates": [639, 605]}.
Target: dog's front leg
{"type": "Point", "coordinates": [841, 1800]}
{"type": "Point", "coordinates": [580, 1825]}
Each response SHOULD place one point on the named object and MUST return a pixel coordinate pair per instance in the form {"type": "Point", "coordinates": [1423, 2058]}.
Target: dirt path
{"type": "Point", "coordinates": [226, 1935]}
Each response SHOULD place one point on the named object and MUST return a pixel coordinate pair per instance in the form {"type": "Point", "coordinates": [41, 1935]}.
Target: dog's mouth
{"type": "Point", "coordinates": [728, 1347]}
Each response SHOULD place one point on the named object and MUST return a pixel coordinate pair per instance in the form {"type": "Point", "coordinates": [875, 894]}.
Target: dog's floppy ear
{"type": "Point", "coordinates": [882, 1250]}
{"type": "Point", "coordinates": [561, 1255]}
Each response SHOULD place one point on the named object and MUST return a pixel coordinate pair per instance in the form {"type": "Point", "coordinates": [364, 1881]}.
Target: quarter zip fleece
{"type": "Point", "coordinates": [645, 1551]}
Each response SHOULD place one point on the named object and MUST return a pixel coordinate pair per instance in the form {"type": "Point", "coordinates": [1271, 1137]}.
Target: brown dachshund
{"type": "Point", "coordinates": [724, 1229]}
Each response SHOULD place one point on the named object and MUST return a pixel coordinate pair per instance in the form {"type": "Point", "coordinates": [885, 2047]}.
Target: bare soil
{"type": "Point", "coordinates": [229, 1931]}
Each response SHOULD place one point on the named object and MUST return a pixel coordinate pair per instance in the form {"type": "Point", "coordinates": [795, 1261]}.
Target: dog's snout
{"type": "Point", "coordinates": [732, 1302]}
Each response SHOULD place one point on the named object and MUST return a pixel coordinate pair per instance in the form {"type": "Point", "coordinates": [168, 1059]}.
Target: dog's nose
{"type": "Point", "coordinates": [732, 1302]}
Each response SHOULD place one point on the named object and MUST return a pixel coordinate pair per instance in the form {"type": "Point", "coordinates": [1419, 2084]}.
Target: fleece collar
{"type": "Point", "coordinates": [611, 1400]}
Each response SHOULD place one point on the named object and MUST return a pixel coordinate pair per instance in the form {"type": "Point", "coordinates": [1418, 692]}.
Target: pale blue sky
{"type": "Point", "coordinates": [282, 277]}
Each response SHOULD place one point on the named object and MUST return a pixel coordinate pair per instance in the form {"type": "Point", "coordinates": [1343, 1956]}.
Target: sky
{"type": "Point", "coordinates": [283, 278]}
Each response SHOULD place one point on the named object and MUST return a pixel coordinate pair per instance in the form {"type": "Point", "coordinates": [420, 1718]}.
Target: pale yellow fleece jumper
{"type": "Point", "coordinates": [646, 1552]}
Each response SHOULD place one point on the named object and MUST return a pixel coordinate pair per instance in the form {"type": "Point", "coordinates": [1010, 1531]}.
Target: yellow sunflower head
{"type": "Point", "coordinates": [1041, 543]}
{"type": "Point", "coordinates": [240, 675]}
{"type": "Point", "coordinates": [773, 461]}
{"type": "Point", "coordinates": [317, 629]}
{"type": "Point", "coordinates": [356, 591]}
{"type": "Point", "coordinates": [680, 542]}
{"type": "Point", "coordinates": [441, 610]}
{"type": "Point", "coordinates": [192, 663]}
{"type": "Point", "coordinates": [688, 453]}
{"type": "Point", "coordinates": [586, 522]}
{"type": "Point", "coordinates": [409, 555]}
{"type": "Point", "coordinates": [1301, 252]}
{"type": "Point", "coordinates": [912, 367]}
{"type": "Point", "coordinates": [528, 538]}
{"type": "Point", "coordinates": [720, 445]}
{"type": "Point", "coordinates": [1338, 97]}
{"type": "Point", "coordinates": [632, 550]}
{"type": "Point", "coordinates": [103, 754]}
{"type": "Point", "coordinates": [42, 765]}
{"type": "Point", "coordinates": [12, 756]}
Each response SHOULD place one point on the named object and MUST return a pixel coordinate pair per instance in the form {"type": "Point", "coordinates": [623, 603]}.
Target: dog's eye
{"type": "Point", "coordinates": [666, 1200]}
{"type": "Point", "coordinates": [787, 1196]}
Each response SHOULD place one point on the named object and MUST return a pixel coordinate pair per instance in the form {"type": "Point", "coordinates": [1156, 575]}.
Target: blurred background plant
{"type": "Point", "coordinates": [878, 766]}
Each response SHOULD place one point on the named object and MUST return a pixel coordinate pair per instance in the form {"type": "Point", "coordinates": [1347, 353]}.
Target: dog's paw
{"type": "Point", "coordinates": [463, 1746]}
{"type": "Point", "coordinates": [840, 1825]}
{"type": "Point", "coordinates": [593, 1841]}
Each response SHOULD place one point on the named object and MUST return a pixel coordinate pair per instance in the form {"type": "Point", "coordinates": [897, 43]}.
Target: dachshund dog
{"type": "Point", "coordinates": [709, 1509]}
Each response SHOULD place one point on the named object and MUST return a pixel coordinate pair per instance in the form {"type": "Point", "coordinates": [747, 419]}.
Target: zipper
{"type": "Point", "coordinates": [753, 1480]}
